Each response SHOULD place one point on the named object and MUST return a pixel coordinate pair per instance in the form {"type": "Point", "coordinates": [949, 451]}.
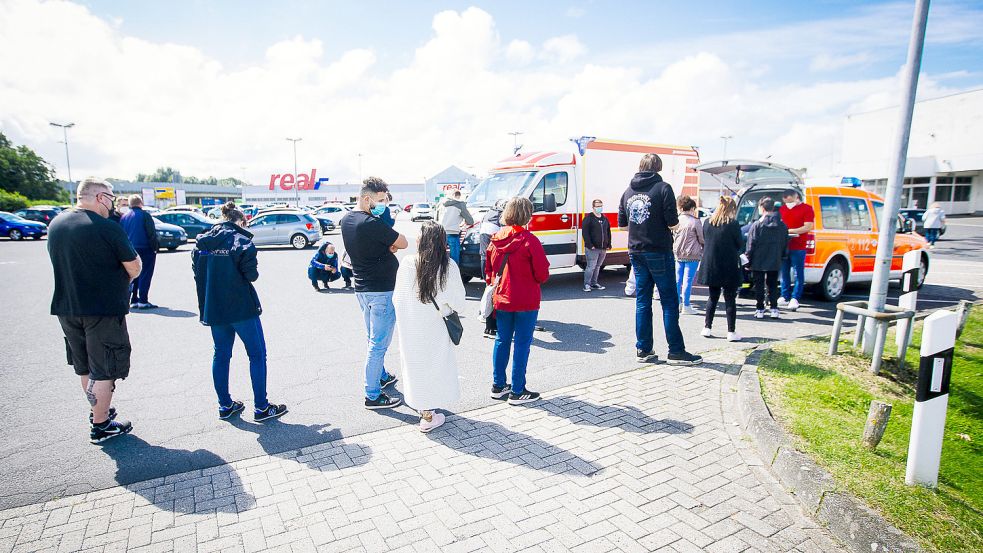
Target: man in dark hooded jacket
{"type": "Point", "coordinates": [648, 211]}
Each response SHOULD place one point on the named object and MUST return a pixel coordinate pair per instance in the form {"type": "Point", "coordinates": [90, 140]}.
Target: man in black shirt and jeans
{"type": "Point", "coordinates": [94, 264]}
{"type": "Point", "coordinates": [648, 210]}
{"type": "Point", "coordinates": [371, 245]}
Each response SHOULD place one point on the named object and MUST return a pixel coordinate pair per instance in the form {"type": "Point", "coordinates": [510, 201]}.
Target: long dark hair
{"type": "Point", "coordinates": [431, 261]}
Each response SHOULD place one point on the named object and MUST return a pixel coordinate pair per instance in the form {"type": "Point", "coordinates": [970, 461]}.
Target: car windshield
{"type": "Point", "coordinates": [424, 206]}
{"type": "Point", "coordinates": [10, 217]}
{"type": "Point", "coordinates": [499, 186]}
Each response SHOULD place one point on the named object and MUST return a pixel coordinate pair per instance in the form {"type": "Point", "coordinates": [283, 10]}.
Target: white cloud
{"type": "Point", "coordinates": [520, 52]}
{"type": "Point", "coordinates": [575, 12]}
{"type": "Point", "coordinates": [831, 62]}
{"type": "Point", "coordinates": [563, 49]}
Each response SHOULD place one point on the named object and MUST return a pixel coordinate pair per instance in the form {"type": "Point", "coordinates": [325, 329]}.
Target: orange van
{"type": "Point", "coordinates": [847, 223]}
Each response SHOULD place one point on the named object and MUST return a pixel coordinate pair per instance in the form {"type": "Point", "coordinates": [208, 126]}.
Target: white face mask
{"type": "Point", "coordinates": [790, 205]}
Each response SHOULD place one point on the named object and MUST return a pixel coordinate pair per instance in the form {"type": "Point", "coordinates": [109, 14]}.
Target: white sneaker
{"type": "Point", "coordinates": [783, 303]}
{"type": "Point", "coordinates": [759, 314]}
{"type": "Point", "coordinates": [775, 314]}
{"type": "Point", "coordinates": [436, 420]}
{"type": "Point", "coordinates": [587, 288]}
{"type": "Point", "coordinates": [706, 333]}
{"type": "Point", "coordinates": [734, 337]}
{"type": "Point", "coordinates": [690, 310]}
{"type": "Point", "coordinates": [793, 304]}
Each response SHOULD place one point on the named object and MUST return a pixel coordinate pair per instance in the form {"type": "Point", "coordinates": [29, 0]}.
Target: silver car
{"type": "Point", "coordinates": [285, 226]}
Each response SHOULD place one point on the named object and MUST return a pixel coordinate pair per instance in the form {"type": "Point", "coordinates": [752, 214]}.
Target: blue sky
{"type": "Point", "coordinates": [214, 86]}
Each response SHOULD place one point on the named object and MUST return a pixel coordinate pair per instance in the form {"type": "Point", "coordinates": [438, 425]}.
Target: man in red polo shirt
{"type": "Point", "coordinates": [800, 219]}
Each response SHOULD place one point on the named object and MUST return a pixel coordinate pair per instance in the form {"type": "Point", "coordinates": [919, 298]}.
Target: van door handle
{"type": "Point", "coordinates": [564, 218]}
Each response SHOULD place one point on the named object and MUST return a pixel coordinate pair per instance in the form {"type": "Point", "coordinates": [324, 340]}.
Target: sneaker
{"type": "Point", "coordinates": [597, 287]}
{"type": "Point", "coordinates": [491, 334]}
{"type": "Point", "coordinates": [316, 287]}
{"type": "Point", "coordinates": [112, 414]}
{"type": "Point", "coordinates": [524, 397]}
{"type": "Point", "coordinates": [706, 333]}
{"type": "Point", "coordinates": [382, 402]}
{"type": "Point", "coordinates": [782, 303]}
{"type": "Point", "coordinates": [646, 356]}
{"type": "Point", "coordinates": [587, 288]}
{"type": "Point", "coordinates": [759, 314]}
{"type": "Point", "coordinates": [108, 431]}
{"type": "Point", "coordinates": [501, 393]}
{"type": "Point", "coordinates": [135, 305]}
{"type": "Point", "coordinates": [734, 337]}
{"type": "Point", "coordinates": [436, 420]}
{"type": "Point", "coordinates": [775, 313]}
{"type": "Point", "coordinates": [227, 412]}
{"type": "Point", "coordinates": [793, 304]}
{"type": "Point", "coordinates": [272, 411]}
{"type": "Point", "coordinates": [690, 310]}
{"type": "Point", "coordinates": [388, 381]}
{"type": "Point", "coordinates": [146, 306]}
{"type": "Point", "coordinates": [684, 358]}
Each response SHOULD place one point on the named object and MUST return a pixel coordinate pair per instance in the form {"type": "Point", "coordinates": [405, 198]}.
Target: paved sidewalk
{"type": "Point", "coordinates": [649, 460]}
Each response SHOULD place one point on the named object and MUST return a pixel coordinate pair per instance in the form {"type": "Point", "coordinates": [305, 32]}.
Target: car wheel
{"type": "Point", "coordinates": [15, 234]}
{"type": "Point", "coordinates": [298, 241]}
{"type": "Point", "coordinates": [171, 248]}
{"type": "Point", "coordinates": [36, 237]}
{"type": "Point", "coordinates": [833, 282]}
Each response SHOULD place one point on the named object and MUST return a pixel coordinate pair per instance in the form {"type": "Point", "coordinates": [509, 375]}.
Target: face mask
{"type": "Point", "coordinates": [598, 210]}
{"type": "Point", "coordinates": [330, 255]}
{"type": "Point", "coordinates": [790, 205]}
{"type": "Point", "coordinates": [378, 209]}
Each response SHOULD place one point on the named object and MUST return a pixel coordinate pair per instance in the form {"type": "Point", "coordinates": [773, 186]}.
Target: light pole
{"type": "Point", "coordinates": [296, 189]}
{"type": "Point", "coordinates": [360, 169]}
{"type": "Point", "coordinates": [515, 142]}
{"type": "Point", "coordinates": [64, 131]}
{"type": "Point", "coordinates": [725, 139]}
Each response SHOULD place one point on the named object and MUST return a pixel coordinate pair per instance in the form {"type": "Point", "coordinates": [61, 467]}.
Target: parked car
{"type": "Point", "coordinates": [192, 222]}
{"type": "Point", "coordinates": [214, 212]}
{"type": "Point", "coordinates": [56, 208]}
{"type": "Point", "coordinates": [408, 207]}
{"type": "Point", "coordinates": [190, 208]}
{"type": "Point", "coordinates": [41, 215]}
{"type": "Point", "coordinates": [915, 216]}
{"type": "Point", "coordinates": [421, 211]}
{"type": "Point", "coordinates": [846, 227]}
{"type": "Point", "coordinates": [327, 225]}
{"type": "Point", "coordinates": [170, 236]}
{"type": "Point", "coordinates": [395, 209]}
{"type": "Point", "coordinates": [17, 228]}
{"type": "Point", "coordinates": [284, 226]}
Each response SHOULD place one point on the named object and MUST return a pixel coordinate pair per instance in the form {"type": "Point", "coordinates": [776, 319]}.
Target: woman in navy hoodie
{"type": "Point", "coordinates": [225, 267]}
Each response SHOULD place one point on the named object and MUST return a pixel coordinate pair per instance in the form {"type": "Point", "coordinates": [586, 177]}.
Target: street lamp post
{"type": "Point", "coordinates": [725, 139]}
{"type": "Point", "coordinates": [360, 169]}
{"type": "Point", "coordinates": [296, 188]}
{"type": "Point", "coordinates": [515, 142]}
{"type": "Point", "coordinates": [64, 131]}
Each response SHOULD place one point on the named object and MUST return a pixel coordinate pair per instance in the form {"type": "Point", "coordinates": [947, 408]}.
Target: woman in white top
{"type": "Point", "coordinates": [429, 365]}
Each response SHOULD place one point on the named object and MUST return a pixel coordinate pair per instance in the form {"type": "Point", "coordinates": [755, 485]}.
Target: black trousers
{"type": "Point", "coordinates": [730, 303]}
{"type": "Point", "coordinates": [760, 279]}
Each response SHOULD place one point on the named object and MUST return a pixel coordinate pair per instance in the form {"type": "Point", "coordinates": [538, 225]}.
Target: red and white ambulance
{"type": "Point", "coordinates": [563, 186]}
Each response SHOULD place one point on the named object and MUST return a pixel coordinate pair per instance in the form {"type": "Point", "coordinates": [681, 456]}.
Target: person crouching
{"type": "Point", "coordinates": [324, 267]}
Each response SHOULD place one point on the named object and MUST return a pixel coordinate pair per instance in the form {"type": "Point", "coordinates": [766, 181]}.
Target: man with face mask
{"type": "Point", "coordinates": [800, 219]}
{"type": "Point", "coordinates": [93, 265]}
{"type": "Point", "coordinates": [371, 245]}
{"type": "Point", "coordinates": [596, 231]}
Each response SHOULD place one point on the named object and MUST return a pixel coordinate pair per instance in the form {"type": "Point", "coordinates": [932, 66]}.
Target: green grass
{"type": "Point", "coordinates": [823, 402]}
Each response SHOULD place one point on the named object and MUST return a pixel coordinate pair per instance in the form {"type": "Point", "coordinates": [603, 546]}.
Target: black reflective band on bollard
{"type": "Point", "coordinates": [933, 375]}
{"type": "Point", "coordinates": [909, 280]}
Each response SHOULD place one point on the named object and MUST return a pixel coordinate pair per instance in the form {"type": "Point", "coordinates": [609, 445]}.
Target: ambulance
{"type": "Point", "coordinates": [563, 186]}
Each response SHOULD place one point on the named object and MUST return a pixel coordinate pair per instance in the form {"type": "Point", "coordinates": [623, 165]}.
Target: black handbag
{"type": "Point", "coordinates": [453, 323]}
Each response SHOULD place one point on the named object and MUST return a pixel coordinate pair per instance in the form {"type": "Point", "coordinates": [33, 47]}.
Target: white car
{"type": "Point", "coordinates": [192, 208]}
{"type": "Point", "coordinates": [421, 211]}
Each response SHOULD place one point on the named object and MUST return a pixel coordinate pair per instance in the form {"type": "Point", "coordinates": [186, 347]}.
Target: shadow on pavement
{"type": "Point", "coordinates": [574, 337]}
{"type": "Point", "coordinates": [164, 312]}
{"type": "Point", "coordinates": [277, 437]}
{"type": "Point", "coordinates": [490, 440]}
{"type": "Point", "coordinates": [629, 419]}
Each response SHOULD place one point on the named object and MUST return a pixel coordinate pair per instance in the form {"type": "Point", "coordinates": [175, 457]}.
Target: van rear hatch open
{"type": "Point", "coordinates": [735, 175]}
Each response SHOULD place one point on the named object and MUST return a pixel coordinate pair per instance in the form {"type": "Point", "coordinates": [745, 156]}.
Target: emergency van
{"type": "Point", "coordinates": [847, 225]}
{"type": "Point", "coordinates": [563, 186]}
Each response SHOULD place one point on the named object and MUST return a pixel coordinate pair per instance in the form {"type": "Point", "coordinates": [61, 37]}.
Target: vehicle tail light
{"type": "Point", "coordinates": [811, 246]}
{"type": "Point", "coordinates": [309, 226]}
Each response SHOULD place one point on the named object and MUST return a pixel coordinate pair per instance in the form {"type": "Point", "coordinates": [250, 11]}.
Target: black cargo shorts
{"type": "Point", "coordinates": [98, 347]}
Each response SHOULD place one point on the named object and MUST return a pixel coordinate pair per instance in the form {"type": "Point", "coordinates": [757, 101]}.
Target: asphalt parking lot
{"type": "Point", "coordinates": [315, 344]}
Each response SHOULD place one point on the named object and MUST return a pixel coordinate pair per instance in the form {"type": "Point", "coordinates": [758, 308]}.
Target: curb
{"type": "Point", "coordinates": [856, 525]}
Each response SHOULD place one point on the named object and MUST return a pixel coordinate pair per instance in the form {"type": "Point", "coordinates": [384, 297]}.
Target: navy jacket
{"type": "Point", "coordinates": [767, 243]}
{"type": "Point", "coordinates": [318, 268]}
{"type": "Point", "coordinates": [225, 267]}
{"type": "Point", "coordinates": [139, 227]}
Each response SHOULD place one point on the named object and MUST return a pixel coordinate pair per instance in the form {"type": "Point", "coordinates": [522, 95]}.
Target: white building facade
{"type": "Point", "coordinates": [945, 152]}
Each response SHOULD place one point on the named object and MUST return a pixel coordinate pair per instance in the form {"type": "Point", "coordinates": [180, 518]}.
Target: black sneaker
{"type": "Point", "coordinates": [112, 414]}
{"type": "Point", "coordinates": [524, 397]}
{"type": "Point", "coordinates": [501, 393]}
{"type": "Point", "coordinates": [108, 431]}
{"type": "Point", "coordinates": [490, 334]}
{"type": "Point", "coordinates": [316, 287]}
{"type": "Point", "coordinates": [646, 356]}
{"type": "Point", "coordinates": [388, 381]}
{"type": "Point", "coordinates": [382, 402]}
{"type": "Point", "coordinates": [272, 411]}
{"type": "Point", "coordinates": [227, 412]}
{"type": "Point", "coordinates": [684, 358]}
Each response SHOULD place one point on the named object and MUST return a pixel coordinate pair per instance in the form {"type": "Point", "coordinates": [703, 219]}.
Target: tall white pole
{"type": "Point", "coordinates": [64, 133]}
{"type": "Point", "coordinates": [296, 188]}
{"type": "Point", "coordinates": [892, 196]}
{"type": "Point", "coordinates": [726, 138]}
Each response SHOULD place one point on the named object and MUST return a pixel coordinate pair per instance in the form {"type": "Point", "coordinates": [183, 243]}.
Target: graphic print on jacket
{"type": "Point", "coordinates": [638, 208]}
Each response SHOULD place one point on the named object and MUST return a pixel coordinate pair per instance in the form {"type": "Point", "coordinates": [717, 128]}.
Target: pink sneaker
{"type": "Point", "coordinates": [436, 420]}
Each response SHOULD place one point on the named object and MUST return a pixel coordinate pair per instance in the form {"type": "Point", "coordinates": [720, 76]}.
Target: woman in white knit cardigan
{"type": "Point", "coordinates": [429, 365]}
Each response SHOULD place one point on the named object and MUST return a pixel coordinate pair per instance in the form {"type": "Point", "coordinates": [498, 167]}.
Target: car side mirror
{"type": "Point", "coordinates": [549, 203]}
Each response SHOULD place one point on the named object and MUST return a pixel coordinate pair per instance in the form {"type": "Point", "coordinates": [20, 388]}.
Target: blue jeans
{"type": "Point", "coordinates": [454, 243]}
{"type": "Point", "coordinates": [685, 274]}
{"type": "Point", "coordinates": [514, 327]}
{"type": "Point", "coordinates": [796, 260]}
{"type": "Point", "coordinates": [931, 234]}
{"type": "Point", "coordinates": [140, 287]}
{"type": "Point", "coordinates": [380, 318]}
{"type": "Point", "coordinates": [655, 270]}
{"type": "Point", "coordinates": [250, 332]}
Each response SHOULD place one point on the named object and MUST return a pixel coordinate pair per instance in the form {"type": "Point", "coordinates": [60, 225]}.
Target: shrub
{"type": "Point", "coordinates": [12, 201]}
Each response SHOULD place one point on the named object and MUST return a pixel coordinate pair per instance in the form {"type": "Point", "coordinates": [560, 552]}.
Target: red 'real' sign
{"type": "Point", "coordinates": [302, 181]}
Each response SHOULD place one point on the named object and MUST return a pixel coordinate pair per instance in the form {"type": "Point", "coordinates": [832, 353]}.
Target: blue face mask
{"type": "Point", "coordinates": [598, 210]}
{"type": "Point", "coordinates": [330, 255]}
{"type": "Point", "coordinates": [378, 209]}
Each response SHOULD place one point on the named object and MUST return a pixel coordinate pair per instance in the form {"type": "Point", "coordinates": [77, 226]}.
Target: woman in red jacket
{"type": "Point", "coordinates": [517, 298]}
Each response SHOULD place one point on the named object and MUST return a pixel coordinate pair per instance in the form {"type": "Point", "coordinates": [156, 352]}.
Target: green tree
{"type": "Point", "coordinates": [162, 174]}
{"type": "Point", "coordinates": [24, 172]}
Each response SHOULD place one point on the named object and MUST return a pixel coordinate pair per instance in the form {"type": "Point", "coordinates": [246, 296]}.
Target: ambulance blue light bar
{"type": "Point", "coordinates": [851, 181]}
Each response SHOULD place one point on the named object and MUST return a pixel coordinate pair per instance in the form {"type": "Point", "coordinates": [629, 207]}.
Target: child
{"type": "Point", "coordinates": [767, 246]}
{"type": "Point", "coordinates": [687, 245]}
{"type": "Point", "coordinates": [323, 267]}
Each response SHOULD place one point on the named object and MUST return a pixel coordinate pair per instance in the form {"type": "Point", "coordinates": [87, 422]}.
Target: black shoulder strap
{"type": "Point", "coordinates": [505, 262]}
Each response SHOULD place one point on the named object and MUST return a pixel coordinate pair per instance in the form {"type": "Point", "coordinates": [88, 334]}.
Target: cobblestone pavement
{"type": "Point", "coordinates": [648, 460]}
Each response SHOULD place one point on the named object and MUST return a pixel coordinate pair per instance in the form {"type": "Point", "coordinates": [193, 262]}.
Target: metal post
{"type": "Point", "coordinates": [910, 275]}
{"type": "Point", "coordinates": [875, 363]}
{"type": "Point", "coordinates": [861, 323]}
{"type": "Point", "coordinates": [726, 138]}
{"type": "Point", "coordinates": [892, 196]}
{"type": "Point", "coordinates": [834, 339]}
{"type": "Point", "coordinates": [296, 188]}
{"type": "Point", "coordinates": [64, 133]}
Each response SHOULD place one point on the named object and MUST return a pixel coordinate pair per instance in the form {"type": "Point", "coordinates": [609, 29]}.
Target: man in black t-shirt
{"type": "Point", "coordinates": [371, 245]}
{"type": "Point", "coordinates": [93, 265]}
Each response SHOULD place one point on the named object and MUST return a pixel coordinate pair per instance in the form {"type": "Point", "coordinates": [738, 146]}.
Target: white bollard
{"type": "Point", "coordinates": [931, 399]}
{"type": "Point", "coordinates": [910, 269]}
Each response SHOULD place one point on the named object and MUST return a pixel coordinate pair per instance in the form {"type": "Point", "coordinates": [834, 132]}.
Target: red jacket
{"type": "Point", "coordinates": [527, 268]}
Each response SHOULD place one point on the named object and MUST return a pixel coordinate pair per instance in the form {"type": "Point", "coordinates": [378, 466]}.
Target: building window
{"type": "Point", "coordinates": [943, 193]}
{"type": "Point", "coordinates": [839, 213]}
{"type": "Point", "coordinates": [917, 180]}
{"type": "Point", "coordinates": [944, 180]}
{"type": "Point", "coordinates": [964, 180]}
{"type": "Point", "coordinates": [962, 193]}
{"type": "Point", "coordinates": [919, 195]}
